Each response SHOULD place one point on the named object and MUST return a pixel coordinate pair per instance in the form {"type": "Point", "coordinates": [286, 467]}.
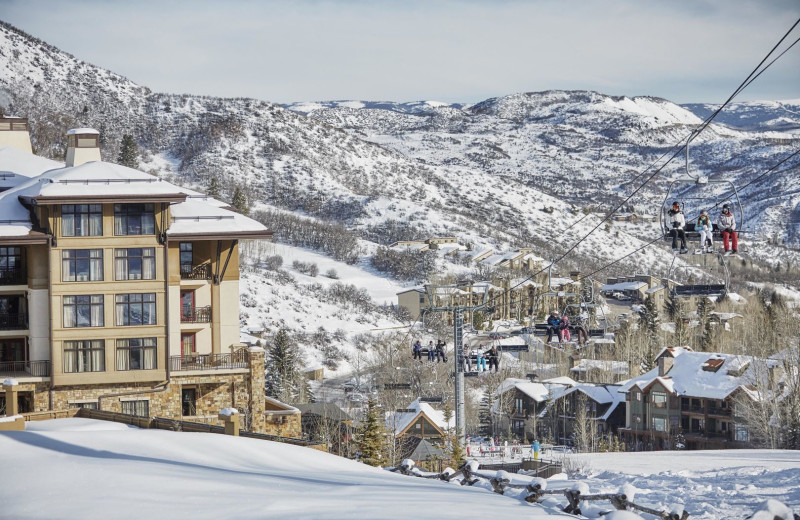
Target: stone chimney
{"type": "Point", "coordinates": [665, 363]}
{"type": "Point", "coordinates": [14, 132]}
{"type": "Point", "coordinates": [83, 145]}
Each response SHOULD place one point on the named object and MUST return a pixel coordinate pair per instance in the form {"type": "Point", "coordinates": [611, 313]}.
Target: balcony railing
{"type": "Point", "coordinates": [196, 314]}
{"type": "Point", "coordinates": [196, 272]}
{"type": "Point", "coordinates": [209, 361]}
{"type": "Point", "coordinates": [24, 368]}
{"type": "Point", "coordinates": [13, 321]}
{"type": "Point", "coordinates": [15, 276]}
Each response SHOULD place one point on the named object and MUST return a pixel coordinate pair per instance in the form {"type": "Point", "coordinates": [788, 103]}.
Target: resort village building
{"type": "Point", "coordinates": [120, 291]}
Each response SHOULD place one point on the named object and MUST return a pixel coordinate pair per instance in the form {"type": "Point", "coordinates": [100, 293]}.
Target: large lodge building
{"type": "Point", "coordinates": [120, 291]}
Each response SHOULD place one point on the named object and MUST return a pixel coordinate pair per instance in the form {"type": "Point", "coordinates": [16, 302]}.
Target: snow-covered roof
{"type": "Point", "coordinates": [193, 214]}
{"type": "Point", "coordinates": [654, 289]}
{"type": "Point", "coordinates": [623, 286]}
{"type": "Point", "coordinates": [559, 281]}
{"type": "Point", "coordinates": [615, 367]}
{"type": "Point", "coordinates": [410, 247]}
{"type": "Point", "coordinates": [76, 131]}
{"type": "Point", "coordinates": [563, 380]}
{"type": "Point", "coordinates": [703, 374]}
{"type": "Point", "coordinates": [500, 258]}
{"type": "Point", "coordinates": [399, 421]}
{"type": "Point", "coordinates": [536, 391]}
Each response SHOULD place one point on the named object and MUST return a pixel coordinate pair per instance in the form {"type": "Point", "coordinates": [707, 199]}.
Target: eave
{"type": "Point", "coordinates": [43, 200]}
{"type": "Point", "coordinates": [228, 235]}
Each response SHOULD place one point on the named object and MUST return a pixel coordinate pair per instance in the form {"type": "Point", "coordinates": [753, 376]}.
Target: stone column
{"type": "Point", "coordinates": [256, 389]}
{"type": "Point", "coordinates": [12, 405]}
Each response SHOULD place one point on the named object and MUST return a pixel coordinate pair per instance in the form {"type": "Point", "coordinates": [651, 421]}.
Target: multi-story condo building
{"type": "Point", "coordinates": [119, 290]}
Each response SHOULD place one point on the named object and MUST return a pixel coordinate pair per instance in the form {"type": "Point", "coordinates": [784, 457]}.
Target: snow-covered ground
{"type": "Point", "coordinates": [84, 469]}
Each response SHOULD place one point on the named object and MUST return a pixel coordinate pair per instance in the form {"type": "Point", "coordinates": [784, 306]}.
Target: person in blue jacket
{"type": "Point", "coordinates": [553, 325]}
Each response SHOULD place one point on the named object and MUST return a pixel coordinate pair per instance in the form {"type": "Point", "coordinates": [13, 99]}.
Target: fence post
{"type": "Point", "coordinates": [230, 417]}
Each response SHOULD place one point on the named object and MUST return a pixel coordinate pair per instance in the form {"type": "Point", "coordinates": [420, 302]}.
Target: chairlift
{"type": "Point", "coordinates": [701, 290]}
{"type": "Point", "coordinates": [735, 204]}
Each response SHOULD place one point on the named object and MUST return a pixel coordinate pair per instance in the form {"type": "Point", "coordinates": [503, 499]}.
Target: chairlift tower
{"type": "Point", "coordinates": [464, 296]}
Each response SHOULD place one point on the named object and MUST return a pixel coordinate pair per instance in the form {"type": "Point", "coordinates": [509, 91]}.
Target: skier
{"type": "Point", "coordinates": [535, 448]}
{"type": "Point", "coordinates": [494, 359]}
{"type": "Point", "coordinates": [431, 351]}
{"type": "Point", "coordinates": [468, 358]}
{"type": "Point", "coordinates": [553, 325]}
{"type": "Point", "coordinates": [481, 359]}
{"type": "Point", "coordinates": [678, 224]}
{"type": "Point", "coordinates": [706, 233]}
{"type": "Point", "coordinates": [581, 329]}
{"type": "Point", "coordinates": [417, 349]}
{"type": "Point", "coordinates": [727, 224]}
{"type": "Point", "coordinates": [565, 334]}
{"type": "Point", "coordinates": [440, 354]}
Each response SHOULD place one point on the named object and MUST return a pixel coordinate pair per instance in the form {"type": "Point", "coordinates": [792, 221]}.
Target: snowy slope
{"type": "Point", "coordinates": [82, 469]}
{"type": "Point", "coordinates": [97, 469]}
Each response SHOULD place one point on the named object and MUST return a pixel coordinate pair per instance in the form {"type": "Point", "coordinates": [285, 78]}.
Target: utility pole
{"type": "Point", "coordinates": [465, 296]}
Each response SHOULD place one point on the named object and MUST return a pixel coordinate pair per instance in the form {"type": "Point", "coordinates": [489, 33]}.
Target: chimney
{"type": "Point", "coordinates": [83, 145]}
{"type": "Point", "coordinates": [14, 132]}
{"type": "Point", "coordinates": [665, 363]}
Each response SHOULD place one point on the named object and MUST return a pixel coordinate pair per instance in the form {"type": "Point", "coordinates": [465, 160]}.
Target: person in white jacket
{"type": "Point", "coordinates": [706, 232]}
{"type": "Point", "coordinates": [727, 226]}
{"type": "Point", "coordinates": [678, 227]}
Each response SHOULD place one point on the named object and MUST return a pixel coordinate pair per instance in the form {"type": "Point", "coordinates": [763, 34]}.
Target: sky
{"type": "Point", "coordinates": [406, 50]}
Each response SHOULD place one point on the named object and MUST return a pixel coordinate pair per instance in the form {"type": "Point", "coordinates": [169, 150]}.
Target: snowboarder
{"type": "Point", "coordinates": [706, 233]}
{"type": "Point", "coordinates": [678, 224]}
{"type": "Point", "coordinates": [553, 325]}
{"type": "Point", "coordinates": [727, 225]}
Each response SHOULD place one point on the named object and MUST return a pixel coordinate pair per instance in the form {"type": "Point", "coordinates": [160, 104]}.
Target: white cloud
{"type": "Point", "coordinates": [450, 50]}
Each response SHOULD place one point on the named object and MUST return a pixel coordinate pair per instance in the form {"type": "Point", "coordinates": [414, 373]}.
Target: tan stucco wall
{"type": "Point", "coordinates": [21, 140]}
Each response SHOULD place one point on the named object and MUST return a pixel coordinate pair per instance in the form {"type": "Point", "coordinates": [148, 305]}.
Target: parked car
{"type": "Point", "coordinates": [621, 297]}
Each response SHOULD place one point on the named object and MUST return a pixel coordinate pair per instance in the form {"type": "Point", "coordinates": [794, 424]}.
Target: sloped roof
{"type": "Point", "coordinates": [623, 286]}
{"type": "Point", "coordinates": [326, 410]}
{"type": "Point", "coordinates": [193, 214]}
{"type": "Point", "coordinates": [421, 449]}
{"type": "Point", "coordinates": [615, 367]}
{"type": "Point", "coordinates": [536, 391]}
{"type": "Point", "coordinates": [399, 421]}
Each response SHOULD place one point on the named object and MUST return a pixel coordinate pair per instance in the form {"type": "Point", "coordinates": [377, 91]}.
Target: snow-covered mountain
{"type": "Point", "coordinates": [514, 171]}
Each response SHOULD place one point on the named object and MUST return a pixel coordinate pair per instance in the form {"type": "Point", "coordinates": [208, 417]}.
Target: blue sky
{"type": "Point", "coordinates": [448, 50]}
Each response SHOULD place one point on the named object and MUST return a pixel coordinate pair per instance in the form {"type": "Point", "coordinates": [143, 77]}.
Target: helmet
{"type": "Point", "coordinates": [554, 313]}
{"type": "Point", "coordinates": [676, 203]}
{"type": "Point", "coordinates": [726, 207]}
{"type": "Point", "coordinates": [703, 212]}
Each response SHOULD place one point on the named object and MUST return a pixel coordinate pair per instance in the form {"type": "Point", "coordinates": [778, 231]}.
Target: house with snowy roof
{"type": "Point", "coordinates": [690, 398]}
{"type": "Point", "coordinates": [547, 409]}
{"type": "Point", "coordinates": [419, 419]}
{"type": "Point", "coordinates": [634, 287]}
{"type": "Point", "coordinates": [120, 291]}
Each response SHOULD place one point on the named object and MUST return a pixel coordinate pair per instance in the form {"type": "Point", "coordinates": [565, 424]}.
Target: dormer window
{"type": "Point", "coordinates": [134, 219]}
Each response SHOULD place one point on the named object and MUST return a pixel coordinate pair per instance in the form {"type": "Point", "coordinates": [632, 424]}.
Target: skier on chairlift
{"type": "Point", "coordinates": [706, 233]}
{"type": "Point", "coordinates": [727, 225]}
{"type": "Point", "coordinates": [678, 224]}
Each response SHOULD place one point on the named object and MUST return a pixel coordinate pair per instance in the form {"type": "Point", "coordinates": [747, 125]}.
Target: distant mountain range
{"type": "Point", "coordinates": [509, 171]}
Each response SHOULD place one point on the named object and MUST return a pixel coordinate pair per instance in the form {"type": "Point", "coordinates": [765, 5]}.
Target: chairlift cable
{"type": "Point", "coordinates": [746, 82]}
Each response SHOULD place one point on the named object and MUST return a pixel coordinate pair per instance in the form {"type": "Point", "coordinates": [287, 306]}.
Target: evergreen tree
{"type": "Point", "coordinates": [282, 373]}
{"type": "Point", "coordinates": [128, 152]}
{"type": "Point", "coordinates": [703, 311]}
{"type": "Point", "coordinates": [212, 190]}
{"type": "Point", "coordinates": [239, 201]}
{"type": "Point", "coordinates": [652, 324]}
{"type": "Point", "coordinates": [453, 439]}
{"type": "Point", "coordinates": [485, 416]}
{"type": "Point", "coordinates": [371, 437]}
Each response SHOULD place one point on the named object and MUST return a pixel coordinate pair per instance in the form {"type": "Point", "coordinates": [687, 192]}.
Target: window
{"type": "Point", "coordinates": [10, 258]}
{"type": "Point", "coordinates": [84, 356]}
{"type": "Point", "coordinates": [135, 263]}
{"type": "Point", "coordinates": [637, 396]}
{"type": "Point", "coordinates": [187, 344]}
{"type": "Point", "coordinates": [82, 265]}
{"type": "Point", "coordinates": [85, 310]}
{"type": "Point", "coordinates": [91, 405]}
{"type": "Point", "coordinates": [518, 405]}
{"type": "Point", "coordinates": [742, 434]}
{"type": "Point", "coordinates": [134, 219]}
{"type": "Point", "coordinates": [138, 408]}
{"type": "Point", "coordinates": [659, 424]}
{"type": "Point", "coordinates": [659, 399]}
{"type": "Point", "coordinates": [82, 220]}
{"type": "Point", "coordinates": [186, 257]}
{"type": "Point", "coordinates": [136, 354]}
{"type": "Point", "coordinates": [136, 309]}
